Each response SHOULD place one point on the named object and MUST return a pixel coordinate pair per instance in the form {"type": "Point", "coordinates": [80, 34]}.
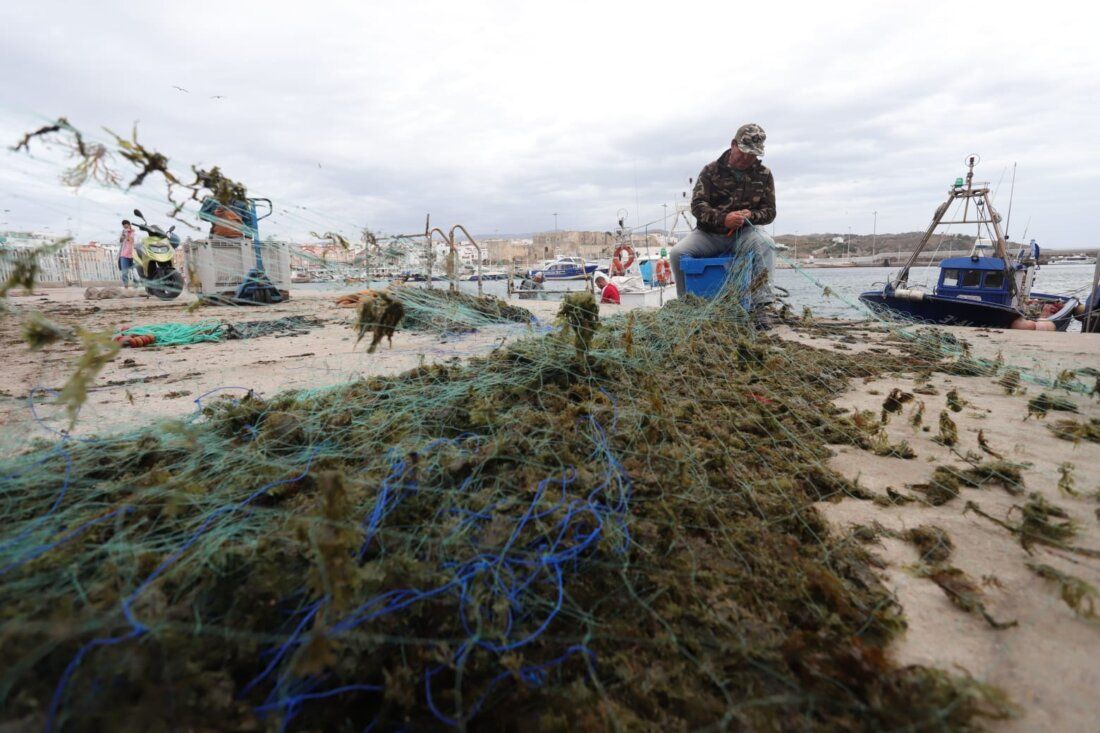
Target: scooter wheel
{"type": "Point", "coordinates": [166, 287]}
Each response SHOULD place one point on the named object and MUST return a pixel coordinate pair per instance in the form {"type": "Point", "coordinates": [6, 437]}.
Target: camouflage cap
{"type": "Point", "coordinates": [750, 139]}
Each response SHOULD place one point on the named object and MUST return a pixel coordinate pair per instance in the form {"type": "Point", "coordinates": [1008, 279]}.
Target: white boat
{"type": "Point", "coordinates": [1073, 260]}
{"type": "Point", "coordinates": [635, 293]}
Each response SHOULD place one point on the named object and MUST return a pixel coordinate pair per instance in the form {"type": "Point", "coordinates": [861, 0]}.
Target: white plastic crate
{"type": "Point", "coordinates": [218, 266]}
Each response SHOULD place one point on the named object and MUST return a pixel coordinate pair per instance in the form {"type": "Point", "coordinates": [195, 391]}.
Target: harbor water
{"type": "Point", "coordinates": [807, 286]}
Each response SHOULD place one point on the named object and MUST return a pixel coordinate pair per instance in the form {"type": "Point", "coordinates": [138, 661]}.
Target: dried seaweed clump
{"type": "Point", "coordinates": [948, 481]}
{"type": "Point", "coordinates": [1076, 593]}
{"type": "Point", "coordinates": [581, 315]}
{"type": "Point", "coordinates": [1044, 523]}
{"type": "Point", "coordinates": [99, 348]}
{"type": "Point", "coordinates": [1077, 431]}
{"type": "Point", "coordinates": [935, 549]}
{"type": "Point", "coordinates": [949, 433]}
{"type": "Point", "coordinates": [881, 446]}
{"type": "Point", "coordinates": [934, 545]}
{"type": "Point", "coordinates": [39, 331]}
{"type": "Point", "coordinates": [954, 402]}
{"type": "Point", "coordinates": [894, 402]}
{"type": "Point", "coordinates": [1044, 403]}
{"type": "Point", "coordinates": [964, 593]}
{"type": "Point", "coordinates": [379, 314]}
{"type": "Point", "coordinates": [443, 311]}
{"type": "Point", "coordinates": [1010, 381]}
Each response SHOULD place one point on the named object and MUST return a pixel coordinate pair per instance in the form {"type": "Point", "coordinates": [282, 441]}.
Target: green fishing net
{"type": "Point", "coordinates": [610, 526]}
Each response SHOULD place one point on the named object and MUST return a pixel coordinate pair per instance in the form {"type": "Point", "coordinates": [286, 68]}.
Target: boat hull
{"type": "Point", "coordinates": [950, 311]}
{"type": "Point", "coordinates": [565, 273]}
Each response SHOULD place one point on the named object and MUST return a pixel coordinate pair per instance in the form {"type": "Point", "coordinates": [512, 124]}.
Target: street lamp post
{"type": "Point", "coordinates": [874, 235]}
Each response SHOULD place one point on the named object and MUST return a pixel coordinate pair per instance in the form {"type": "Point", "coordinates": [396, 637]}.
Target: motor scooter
{"type": "Point", "coordinates": [153, 260]}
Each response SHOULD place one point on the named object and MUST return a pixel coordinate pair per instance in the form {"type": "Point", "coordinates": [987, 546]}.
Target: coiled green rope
{"type": "Point", "coordinates": [180, 334]}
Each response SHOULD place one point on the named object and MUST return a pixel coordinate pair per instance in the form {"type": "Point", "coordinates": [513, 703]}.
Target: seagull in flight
{"type": "Point", "coordinates": [180, 89]}
{"type": "Point", "coordinates": [217, 96]}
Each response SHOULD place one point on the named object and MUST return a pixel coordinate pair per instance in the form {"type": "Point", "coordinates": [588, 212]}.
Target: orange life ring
{"type": "Point", "coordinates": [617, 265]}
{"type": "Point", "coordinates": [664, 272]}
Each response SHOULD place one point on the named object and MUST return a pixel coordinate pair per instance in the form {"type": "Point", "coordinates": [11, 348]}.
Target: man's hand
{"type": "Point", "coordinates": [734, 220]}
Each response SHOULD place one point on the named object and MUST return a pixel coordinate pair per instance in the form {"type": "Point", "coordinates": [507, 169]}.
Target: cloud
{"type": "Point", "coordinates": [498, 114]}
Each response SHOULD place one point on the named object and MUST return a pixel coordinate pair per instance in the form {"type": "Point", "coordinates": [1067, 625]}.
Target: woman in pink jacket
{"type": "Point", "coordinates": [126, 252]}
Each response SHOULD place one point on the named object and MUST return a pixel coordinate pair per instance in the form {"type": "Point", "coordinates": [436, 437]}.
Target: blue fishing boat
{"type": "Point", "coordinates": [988, 288]}
{"type": "Point", "coordinates": [565, 268]}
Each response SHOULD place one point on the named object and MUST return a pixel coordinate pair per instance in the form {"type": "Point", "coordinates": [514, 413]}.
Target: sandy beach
{"type": "Point", "coordinates": [145, 384]}
{"type": "Point", "coordinates": [1045, 662]}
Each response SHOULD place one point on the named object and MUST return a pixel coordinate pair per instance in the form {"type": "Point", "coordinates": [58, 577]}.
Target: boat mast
{"type": "Point", "coordinates": [1011, 194]}
{"type": "Point", "coordinates": [985, 215]}
{"type": "Point", "coordinates": [903, 276]}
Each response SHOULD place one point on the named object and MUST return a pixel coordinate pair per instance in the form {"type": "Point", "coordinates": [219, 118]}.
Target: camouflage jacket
{"type": "Point", "coordinates": [721, 189]}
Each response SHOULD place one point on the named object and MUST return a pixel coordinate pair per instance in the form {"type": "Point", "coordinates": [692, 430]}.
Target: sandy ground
{"type": "Point", "coordinates": [1047, 664]}
{"type": "Point", "coordinates": [145, 384]}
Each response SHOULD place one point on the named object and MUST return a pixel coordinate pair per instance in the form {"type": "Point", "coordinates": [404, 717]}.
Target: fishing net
{"type": "Point", "coordinates": [612, 525]}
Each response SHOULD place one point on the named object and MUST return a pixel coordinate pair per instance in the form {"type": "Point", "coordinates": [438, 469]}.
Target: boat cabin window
{"type": "Point", "coordinates": [995, 280]}
{"type": "Point", "coordinates": [951, 278]}
{"type": "Point", "coordinates": [971, 279]}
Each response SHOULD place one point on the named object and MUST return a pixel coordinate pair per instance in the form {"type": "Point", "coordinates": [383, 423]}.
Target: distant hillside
{"type": "Point", "coordinates": [858, 245]}
{"type": "Point", "coordinates": [822, 245]}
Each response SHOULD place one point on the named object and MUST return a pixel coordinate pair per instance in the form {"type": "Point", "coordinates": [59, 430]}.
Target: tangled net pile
{"type": "Point", "coordinates": [608, 527]}
{"type": "Point", "coordinates": [452, 312]}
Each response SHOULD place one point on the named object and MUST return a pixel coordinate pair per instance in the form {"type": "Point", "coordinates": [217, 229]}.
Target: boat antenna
{"type": "Point", "coordinates": [1011, 192]}
{"type": "Point", "coordinates": [1026, 227]}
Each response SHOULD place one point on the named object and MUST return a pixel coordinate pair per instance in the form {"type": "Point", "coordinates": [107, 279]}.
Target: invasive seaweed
{"type": "Point", "coordinates": [1065, 480]}
{"type": "Point", "coordinates": [894, 402]}
{"type": "Point", "coordinates": [983, 443]}
{"type": "Point", "coordinates": [581, 315]}
{"type": "Point", "coordinates": [917, 418]}
{"type": "Point", "coordinates": [1040, 523]}
{"type": "Point", "coordinates": [948, 481]}
{"type": "Point", "coordinates": [1077, 431]}
{"type": "Point", "coordinates": [39, 331]}
{"type": "Point", "coordinates": [444, 311]}
{"type": "Point", "coordinates": [964, 593]}
{"type": "Point", "coordinates": [379, 314]}
{"type": "Point", "coordinates": [99, 349]}
{"type": "Point", "coordinates": [534, 540]}
{"type": "Point", "coordinates": [954, 402]}
{"type": "Point", "coordinates": [949, 433]}
{"type": "Point", "coordinates": [1045, 402]}
{"type": "Point", "coordinates": [1010, 381]}
{"type": "Point", "coordinates": [1076, 593]}
{"type": "Point", "coordinates": [934, 545]}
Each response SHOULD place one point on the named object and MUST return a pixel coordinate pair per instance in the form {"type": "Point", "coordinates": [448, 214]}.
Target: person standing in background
{"type": "Point", "coordinates": [126, 252]}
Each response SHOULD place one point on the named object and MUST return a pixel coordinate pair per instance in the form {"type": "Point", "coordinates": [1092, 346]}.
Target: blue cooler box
{"type": "Point", "coordinates": [647, 271]}
{"type": "Point", "coordinates": [705, 276]}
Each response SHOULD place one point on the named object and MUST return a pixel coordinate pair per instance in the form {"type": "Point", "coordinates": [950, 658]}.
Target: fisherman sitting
{"type": "Point", "coordinates": [609, 292]}
{"type": "Point", "coordinates": [733, 198]}
{"type": "Point", "coordinates": [529, 286]}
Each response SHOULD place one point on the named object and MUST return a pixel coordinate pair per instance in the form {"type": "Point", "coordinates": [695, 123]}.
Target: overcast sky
{"type": "Point", "coordinates": [498, 114]}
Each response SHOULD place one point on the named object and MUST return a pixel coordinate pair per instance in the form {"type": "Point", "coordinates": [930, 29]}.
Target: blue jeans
{"type": "Point", "coordinates": [746, 239]}
{"type": "Point", "coordinates": [126, 264]}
